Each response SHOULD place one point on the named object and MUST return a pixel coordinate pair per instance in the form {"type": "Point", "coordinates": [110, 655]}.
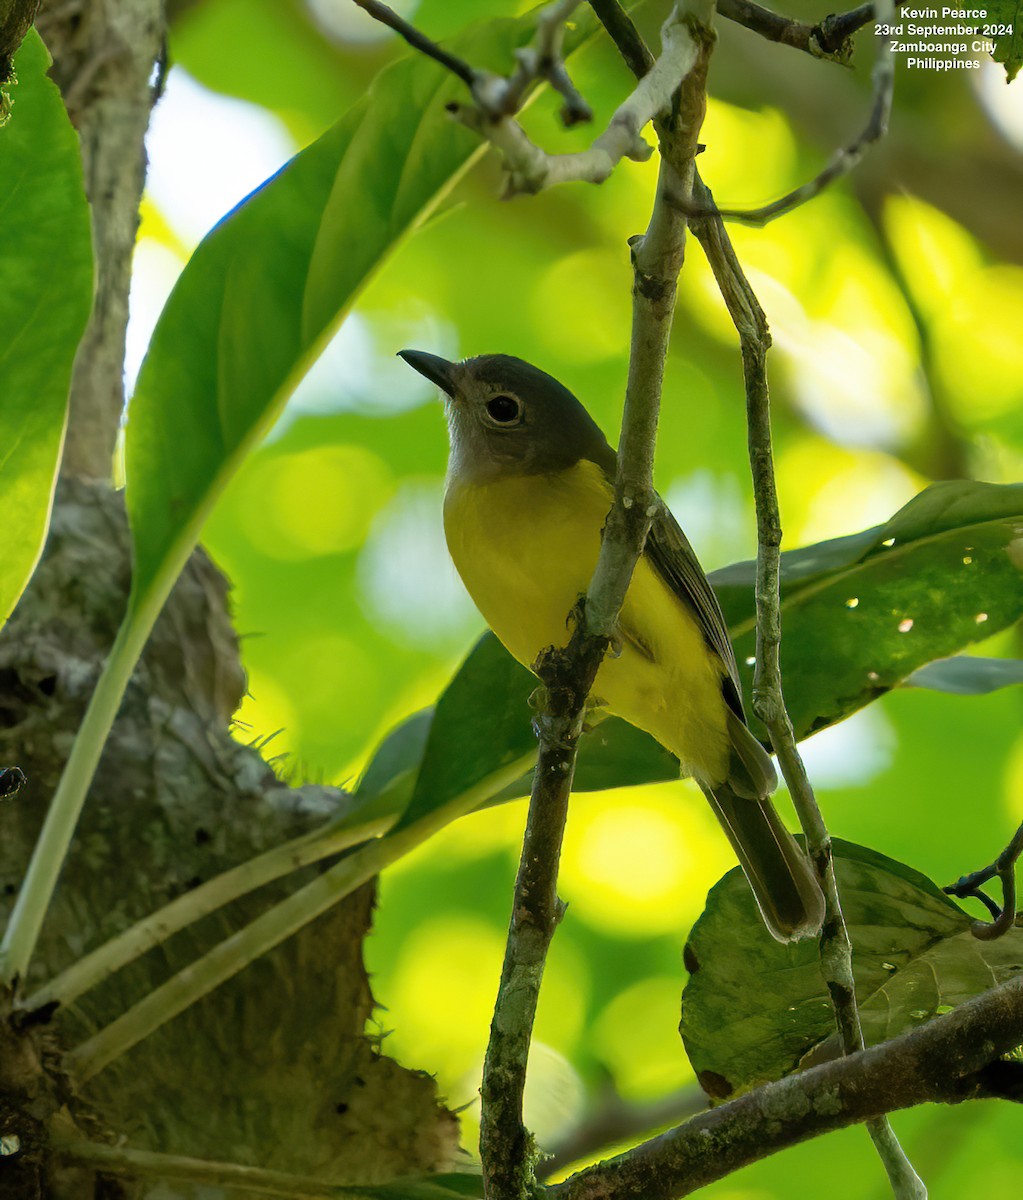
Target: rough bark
{"type": "Point", "coordinates": [16, 17]}
{"type": "Point", "coordinates": [274, 1068]}
{"type": "Point", "coordinates": [105, 52]}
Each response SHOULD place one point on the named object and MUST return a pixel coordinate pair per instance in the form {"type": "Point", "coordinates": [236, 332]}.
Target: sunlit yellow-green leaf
{"type": "Point", "coordinates": [44, 219]}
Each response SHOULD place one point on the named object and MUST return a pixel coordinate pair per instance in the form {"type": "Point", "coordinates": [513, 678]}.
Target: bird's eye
{"type": "Point", "coordinates": [505, 410]}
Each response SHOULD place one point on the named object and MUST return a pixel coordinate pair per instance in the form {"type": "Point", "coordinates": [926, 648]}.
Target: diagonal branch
{"type": "Point", "coordinates": [827, 39]}
{"type": "Point", "coordinates": [614, 1120]}
{"type": "Point", "coordinates": [506, 1147]}
{"type": "Point", "coordinates": [952, 1058]}
{"type": "Point", "coordinates": [419, 41]}
{"type": "Point", "coordinates": [845, 160]}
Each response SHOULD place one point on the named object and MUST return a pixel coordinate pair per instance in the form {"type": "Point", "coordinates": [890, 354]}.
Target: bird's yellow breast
{"type": "Point", "coordinates": [526, 547]}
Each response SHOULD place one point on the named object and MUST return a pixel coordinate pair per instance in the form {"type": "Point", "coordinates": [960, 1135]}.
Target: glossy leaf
{"type": "Point", "coordinates": [611, 753]}
{"type": "Point", "coordinates": [44, 218]}
{"type": "Point", "coordinates": [861, 613]}
{"type": "Point", "coordinates": [395, 764]}
{"type": "Point", "coordinates": [753, 1008]}
{"type": "Point", "coordinates": [967, 675]}
{"type": "Point", "coordinates": [480, 728]}
{"type": "Point", "coordinates": [241, 328]}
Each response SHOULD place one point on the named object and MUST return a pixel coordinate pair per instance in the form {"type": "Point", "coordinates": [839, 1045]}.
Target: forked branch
{"type": "Point", "coordinates": [1004, 869]}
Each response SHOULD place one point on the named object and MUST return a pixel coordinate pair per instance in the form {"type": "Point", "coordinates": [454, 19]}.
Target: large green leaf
{"type": "Point", "coordinates": [44, 219]}
{"type": "Point", "coordinates": [251, 311]}
{"type": "Point", "coordinates": [465, 741]}
{"type": "Point", "coordinates": [753, 1008]}
{"type": "Point", "coordinates": [861, 613]}
{"type": "Point", "coordinates": [480, 729]}
{"type": "Point", "coordinates": [269, 285]}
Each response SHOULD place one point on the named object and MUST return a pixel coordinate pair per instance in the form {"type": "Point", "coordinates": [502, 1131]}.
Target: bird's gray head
{"type": "Point", "coordinates": [506, 417]}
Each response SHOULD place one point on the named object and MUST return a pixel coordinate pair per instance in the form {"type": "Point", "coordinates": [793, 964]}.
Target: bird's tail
{"type": "Point", "coordinates": [778, 871]}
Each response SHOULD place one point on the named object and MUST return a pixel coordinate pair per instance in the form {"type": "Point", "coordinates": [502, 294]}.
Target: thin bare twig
{"type": "Point", "coordinates": [543, 60]}
{"type": "Point", "coordinates": [845, 160]}
{"type": "Point", "coordinates": [837, 27]}
{"type": "Point", "coordinates": [768, 697]}
{"type": "Point", "coordinates": [505, 1145]}
{"type": "Point", "coordinates": [495, 96]}
{"type": "Point", "coordinates": [495, 100]}
{"type": "Point", "coordinates": [625, 36]}
{"type": "Point", "coordinates": [1004, 869]}
{"type": "Point", "coordinates": [419, 41]}
{"type": "Point", "coordinates": [829, 38]}
{"type": "Point", "coordinates": [531, 169]}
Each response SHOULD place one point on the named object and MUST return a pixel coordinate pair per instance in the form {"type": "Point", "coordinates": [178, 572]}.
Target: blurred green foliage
{"type": "Point", "coordinates": [895, 302]}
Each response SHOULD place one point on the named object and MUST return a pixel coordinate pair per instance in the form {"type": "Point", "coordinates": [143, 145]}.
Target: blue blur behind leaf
{"type": "Point", "coordinates": [966, 675]}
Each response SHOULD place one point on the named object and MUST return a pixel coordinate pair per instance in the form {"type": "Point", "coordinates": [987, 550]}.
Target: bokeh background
{"type": "Point", "coordinates": [896, 304]}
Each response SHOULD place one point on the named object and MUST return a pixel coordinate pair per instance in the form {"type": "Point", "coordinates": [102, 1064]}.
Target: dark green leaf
{"type": "Point", "coordinates": [480, 728]}
{"type": "Point", "coordinates": [863, 612]}
{"type": "Point", "coordinates": [612, 754]}
{"type": "Point", "coordinates": [753, 1008]}
{"type": "Point", "coordinates": [1008, 47]}
{"type": "Point", "coordinates": [967, 676]}
{"type": "Point", "coordinates": [395, 764]}
{"type": "Point", "coordinates": [940, 508]}
{"type": "Point", "coordinates": [44, 219]}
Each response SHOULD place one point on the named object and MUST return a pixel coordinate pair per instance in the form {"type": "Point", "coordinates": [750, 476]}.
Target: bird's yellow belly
{"type": "Point", "coordinates": [526, 548]}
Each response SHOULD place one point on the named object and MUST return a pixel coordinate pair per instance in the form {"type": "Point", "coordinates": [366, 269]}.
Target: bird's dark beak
{"type": "Point", "coordinates": [438, 370]}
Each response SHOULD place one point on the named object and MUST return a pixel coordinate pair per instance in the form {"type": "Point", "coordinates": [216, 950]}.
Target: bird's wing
{"type": "Point", "coordinates": [668, 548]}
{"type": "Point", "coordinates": [751, 772]}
